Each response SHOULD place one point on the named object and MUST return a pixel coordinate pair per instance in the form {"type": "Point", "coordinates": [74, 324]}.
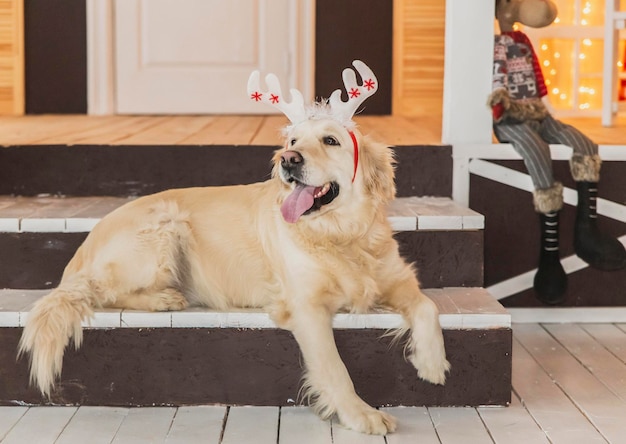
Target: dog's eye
{"type": "Point", "coordinates": [292, 142]}
{"type": "Point", "coordinates": [330, 140]}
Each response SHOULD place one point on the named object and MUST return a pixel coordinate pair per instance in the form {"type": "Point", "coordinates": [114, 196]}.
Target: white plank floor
{"type": "Point", "coordinates": [569, 386]}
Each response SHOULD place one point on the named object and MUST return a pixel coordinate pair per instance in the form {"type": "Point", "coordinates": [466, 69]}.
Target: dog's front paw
{"type": "Point", "coordinates": [366, 419]}
{"type": "Point", "coordinates": [431, 370]}
{"type": "Point", "coordinates": [169, 300]}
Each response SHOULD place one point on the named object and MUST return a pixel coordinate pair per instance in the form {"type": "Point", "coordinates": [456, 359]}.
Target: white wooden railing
{"type": "Point", "coordinates": [477, 159]}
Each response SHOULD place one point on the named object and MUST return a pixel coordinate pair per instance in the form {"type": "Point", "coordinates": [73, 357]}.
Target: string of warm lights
{"type": "Point", "coordinates": [572, 67]}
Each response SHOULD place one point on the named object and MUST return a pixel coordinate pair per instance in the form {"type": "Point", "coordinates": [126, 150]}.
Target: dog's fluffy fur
{"type": "Point", "coordinates": [224, 247]}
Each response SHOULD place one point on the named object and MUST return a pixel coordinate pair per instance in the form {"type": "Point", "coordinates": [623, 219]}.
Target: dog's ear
{"type": "Point", "coordinates": [378, 164]}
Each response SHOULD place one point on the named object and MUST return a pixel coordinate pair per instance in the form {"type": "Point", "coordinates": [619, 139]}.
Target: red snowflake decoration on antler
{"type": "Point", "coordinates": [354, 93]}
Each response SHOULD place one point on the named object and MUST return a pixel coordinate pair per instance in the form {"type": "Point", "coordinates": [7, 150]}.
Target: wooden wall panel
{"type": "Point", "coordinates": [354, 29]}
{"type": "Point", "coordinates": [11, 57]}
{"type": "Point", "coordinates": [418, 59]}
{"type": "Point", "coordinates": [55, 37]}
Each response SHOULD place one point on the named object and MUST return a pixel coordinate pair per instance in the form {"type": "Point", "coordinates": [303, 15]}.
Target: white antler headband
{"type": "Point", "coordinates": [295, 109]}
{"type": "Point", "coordinates": [343, 111]}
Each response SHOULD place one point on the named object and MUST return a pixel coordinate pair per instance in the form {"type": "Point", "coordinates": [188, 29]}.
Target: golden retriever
{"type": "Point", "coordinates": [309, 242]}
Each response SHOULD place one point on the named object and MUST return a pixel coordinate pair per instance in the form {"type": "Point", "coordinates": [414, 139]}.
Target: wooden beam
{"type": "Point", "coordinates": [12, 57]}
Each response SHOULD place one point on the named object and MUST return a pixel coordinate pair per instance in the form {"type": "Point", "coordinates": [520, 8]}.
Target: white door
{"type": "Point", "coordinates": [195, 56]}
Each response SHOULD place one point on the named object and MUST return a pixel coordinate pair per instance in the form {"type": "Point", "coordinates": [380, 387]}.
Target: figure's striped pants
{"type": "Point", "coordinates": [531, 140]}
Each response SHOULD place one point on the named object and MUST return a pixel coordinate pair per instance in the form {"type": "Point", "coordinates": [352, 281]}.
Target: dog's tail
{"type": "Point", "coordinates": [54, 321]}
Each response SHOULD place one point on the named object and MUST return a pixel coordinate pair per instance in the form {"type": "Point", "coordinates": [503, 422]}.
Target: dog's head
{"type": "Point", "coordinates": [326, 167]}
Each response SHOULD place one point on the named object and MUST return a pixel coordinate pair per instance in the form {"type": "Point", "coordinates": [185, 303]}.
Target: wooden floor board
{"type": "Point", "coordinates": [459, 425]}
{"type": "Point", "coordinates": [196, 424]}
{"type": "Point", "coordinates": [414, 425]}
{"type": "Point", "coordinates": [109, 133]}
{"type": "Point", "coordinates": [144, 125]}
{"type": "Point", "coordinates": [592, 355]}
{"type": "Point", "coordinates": [549, 406]}
{"type": "Point", "coordinates": [145, 425]}
{"type": "Point", "coordinates": [257, 425]}
{"type": "Point", "coordinates": [400, 130]}
{"type": "Point", "coordinates": [512, 424]}
{"type": "Point", "coordinates": [171, 131]}
{"type": "Point", "coordinates": [270, 132]}
{"type": "Point", "coordinates": [9, 416]}
{"type": "Point", "coordinates": [345, 436]}
{"type": "Point", "coordinates": [41, 425]}
{"type": "Point", "coordinates": [621, 327]}
{"type": "Point", "coordinates": [96, 425]}
{"type": "Point", "coordinates": [603, 408]}
{"type": "Point", "coordinates": [610, 336]}
{"type": "Point", "coordinates": [298, 425]}
{"type": "Point", "coordinates": [227, 130]}
{"type": "Point", "coordinates": [40, 129]}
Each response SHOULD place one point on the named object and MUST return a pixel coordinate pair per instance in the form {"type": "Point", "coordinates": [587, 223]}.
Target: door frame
{"type": "Point", "coordinates": [101, 53]}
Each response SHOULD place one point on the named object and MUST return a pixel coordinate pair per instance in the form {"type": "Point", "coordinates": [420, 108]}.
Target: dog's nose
{"type": "Point", "coordinates": [290, 159]}
{"type": "Point", "coordinates": [291, 162]}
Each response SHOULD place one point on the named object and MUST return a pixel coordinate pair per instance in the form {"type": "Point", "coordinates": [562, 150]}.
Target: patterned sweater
{"type": "Point", "coordinates": [516, 67]}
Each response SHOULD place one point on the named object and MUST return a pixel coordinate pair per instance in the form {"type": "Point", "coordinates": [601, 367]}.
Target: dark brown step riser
{"type": "Point", "coordinates": [512, 236]}
{"type": "Point", "coordinates": [138, 170]}
{"type": "Point", "coordinates": [254, 367]}
{"type": "Point", "coordinates": [443, 258]}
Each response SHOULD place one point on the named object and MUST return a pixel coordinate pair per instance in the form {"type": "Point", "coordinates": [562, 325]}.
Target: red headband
{"type": "Point", "coordinates": [356, 153]}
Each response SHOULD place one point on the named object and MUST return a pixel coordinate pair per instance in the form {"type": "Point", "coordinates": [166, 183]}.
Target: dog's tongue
{"type": "Point", "coordinates": [300, 200]}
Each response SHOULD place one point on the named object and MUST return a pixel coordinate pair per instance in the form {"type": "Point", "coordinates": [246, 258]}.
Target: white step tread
{"type": "Point", "coordinates": [52, 214]}
{"type": "Point", "coordinates": [459, 308]}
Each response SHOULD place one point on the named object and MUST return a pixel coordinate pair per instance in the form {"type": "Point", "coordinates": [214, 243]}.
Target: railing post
{"type": "Point", "coordinates": [467, 84]}
{"type": "Point", "coordinates": [468, 71]}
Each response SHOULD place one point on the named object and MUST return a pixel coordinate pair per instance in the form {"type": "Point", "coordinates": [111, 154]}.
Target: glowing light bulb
{"type": "Point", "coordinates": [557, 20]}
{"type": "Point", "coordinates": [583, 22]}
{"type": "Point", "coordinates": [557, 55]}
{"type": "Point", "coordinates": [555, 91]}
{"type": "Point", "coordinates": [546, 63]}
{"type": "Point", "coordinates": [587, 42]}
{"type": "Point", "coordinates": [582, 56]}
{"type": "Point", "coordinates": [563, 96]}
{"type": "Point", "coordinates": [544, 47]}
{"type": "Point", "coordinates": [553, 72]}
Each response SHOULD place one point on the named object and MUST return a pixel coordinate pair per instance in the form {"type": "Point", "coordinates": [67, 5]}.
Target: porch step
{"type": "Point", "coordinates": [39, 235]}
{"type": "Point", "coordinates": [136, 170]}
{"type": "Point", "coordinates": [200, 356]}
{"type": "Point", "coordinates": [59, 214]}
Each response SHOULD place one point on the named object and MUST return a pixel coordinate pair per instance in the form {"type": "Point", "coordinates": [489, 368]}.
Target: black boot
{"type": "Point", "coordinates": [598, 249]}
{"type": "Point", "coordinates": [550, 281]}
